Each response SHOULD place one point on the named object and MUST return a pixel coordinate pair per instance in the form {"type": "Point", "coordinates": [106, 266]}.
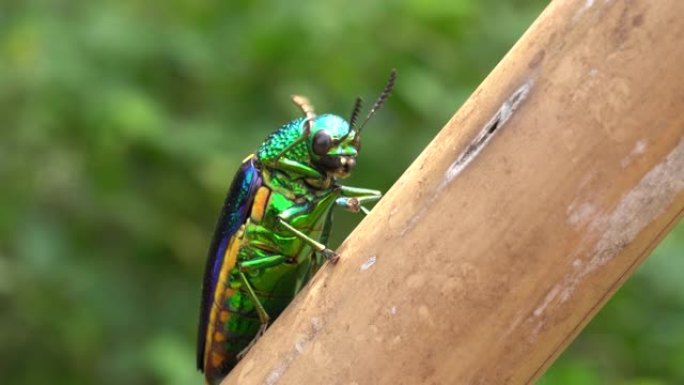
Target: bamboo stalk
{"type": "Point", "coordinates": [530, 208]}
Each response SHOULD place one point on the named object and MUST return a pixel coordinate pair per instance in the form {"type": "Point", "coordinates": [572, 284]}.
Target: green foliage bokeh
{"type": "Point", "coordinates": [124, 121]}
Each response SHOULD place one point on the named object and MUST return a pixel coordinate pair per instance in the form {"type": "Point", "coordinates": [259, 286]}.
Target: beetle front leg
{"type": "Point", "coordinates": [286, 164]}
{"type": "Point", "coordinates": [353, 198]}
{"type": "Point", "coordinates": [283, 163]}
{"type": "Point", "coordinates": [321, 248]}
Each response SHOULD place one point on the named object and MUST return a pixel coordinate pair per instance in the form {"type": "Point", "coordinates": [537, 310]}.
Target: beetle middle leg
{"type": "Point", "coordinates": [329, 254]}
{"type": "Point", "coordinates": [264, 318]}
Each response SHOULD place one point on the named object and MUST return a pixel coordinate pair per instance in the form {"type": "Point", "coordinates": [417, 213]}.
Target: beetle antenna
{"type": "Point", "coordinates": [381, 99]}
{"type": "Point", "coordinates": [304, 104]}
{"type": "Point", "coordinates": [307, 108]}
{"type": "Point", "coordinates": [355, 112]}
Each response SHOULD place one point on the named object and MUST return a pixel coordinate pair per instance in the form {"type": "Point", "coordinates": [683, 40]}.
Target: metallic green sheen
{"type": "Point", "coordinates": [283, 245]}
{"type": "Point", "coordinates": [280, 139]}
{"type": "Point", "coordinates": [275, 262]}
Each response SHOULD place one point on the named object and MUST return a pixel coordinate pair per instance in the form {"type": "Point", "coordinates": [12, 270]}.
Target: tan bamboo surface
{"type": "Point", "coordinates": [537, 200]}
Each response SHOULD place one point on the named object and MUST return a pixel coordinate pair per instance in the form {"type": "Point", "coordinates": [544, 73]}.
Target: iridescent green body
{"type": "Point", "coordinates": [271, 235]}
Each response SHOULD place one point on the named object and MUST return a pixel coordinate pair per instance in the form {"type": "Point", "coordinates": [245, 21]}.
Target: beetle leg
{"type": "Point", "coordinates": [354, 197]}
{"type": "Point", "coordinates": [264, 318]}
{"type": "Point", "coordinates": [349, 204]}
{"type": "Point", "coordinates": [286, 164]}
{"type": "Point", "coordinates": [321, 248]}
{"type": "Point", "coordinates": [362, 194]}
{"type": "Point", "coordinates": [261, 312]}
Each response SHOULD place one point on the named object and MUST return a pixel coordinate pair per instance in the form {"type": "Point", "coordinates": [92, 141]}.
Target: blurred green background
{"type": "Point", "coordinates": [123, 122]}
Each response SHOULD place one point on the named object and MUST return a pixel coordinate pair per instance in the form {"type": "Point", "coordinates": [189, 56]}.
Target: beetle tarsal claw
{"type": "Point", "coordinates": [330, 255]}
{"type": "Point", "coordinates": [354, 204]}
{"type": "Point", "coordinates": [260, 333]}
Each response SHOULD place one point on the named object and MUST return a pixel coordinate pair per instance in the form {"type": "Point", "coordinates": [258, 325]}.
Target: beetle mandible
{"type": "Point", "coordinates": [271, 234]}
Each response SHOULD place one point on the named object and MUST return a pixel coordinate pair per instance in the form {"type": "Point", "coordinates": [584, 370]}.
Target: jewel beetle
{"type": "Point", "coordinates": [271, 234]}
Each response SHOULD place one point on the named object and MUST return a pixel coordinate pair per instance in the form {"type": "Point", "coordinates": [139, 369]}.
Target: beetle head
{"type": "Point", "coordinates": [333, 142]}
{"type": "Point", "coordinates": [333, 145]}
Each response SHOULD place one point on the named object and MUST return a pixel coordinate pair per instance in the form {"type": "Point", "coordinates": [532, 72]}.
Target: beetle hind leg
{"type": "Point", "coordinates": [264, 318]}
{"type": "Point", "coordinates": [257, 337]}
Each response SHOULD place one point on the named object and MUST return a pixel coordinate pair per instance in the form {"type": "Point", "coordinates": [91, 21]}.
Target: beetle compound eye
{"type": "Point", "coordinates": [321, 143]}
